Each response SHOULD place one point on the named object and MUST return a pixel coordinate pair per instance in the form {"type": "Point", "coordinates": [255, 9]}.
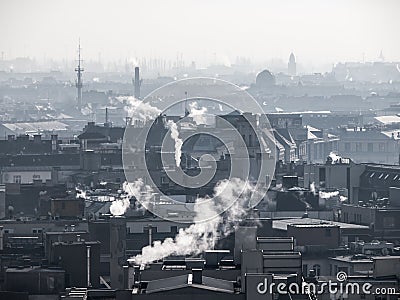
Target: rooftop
{"type": "Point", "coordinates": [309, 222]}
{"type": "Point", "coordinates": [183, 281]}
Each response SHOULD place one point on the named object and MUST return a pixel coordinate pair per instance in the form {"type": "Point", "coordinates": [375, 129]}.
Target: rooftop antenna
{"type": "Point", "coordinates": [79, 83]}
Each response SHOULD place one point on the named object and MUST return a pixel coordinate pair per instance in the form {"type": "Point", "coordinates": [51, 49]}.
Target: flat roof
{"type": "Point", "coordinates": [388, 119]}
{"type": "Point", "coordinates": [282, 224]}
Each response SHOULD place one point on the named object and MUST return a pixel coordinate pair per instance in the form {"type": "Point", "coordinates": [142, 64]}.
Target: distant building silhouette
{"type": "Point", "coordinates": [265, 79]}
{"type": "Point", "coordinates": [292, 65]}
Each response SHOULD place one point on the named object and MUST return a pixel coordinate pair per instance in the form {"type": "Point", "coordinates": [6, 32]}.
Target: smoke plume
{"type": "Point", "coordinates": [202, 235]}
{"type": "Point", "coordinates": [197, 113]}
{"type": "Point", "coordinates": [312, 188]}
{"type": "Point", "coordinates": [178, 141]}
{"type": "Point", "coordinates": [328, 195]}
{"type": "Point", "coordinates": [137, 189]}
{"type": "Point", "coordinates": [139, 110]}
{"type": "Point", "coordinates": [119, 206]}
{"type": "Point", "coordinates": [335, 158]}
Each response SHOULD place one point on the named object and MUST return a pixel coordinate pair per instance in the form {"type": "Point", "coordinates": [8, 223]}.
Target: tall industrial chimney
{"type": "Point", "coordinates": [137, 83]}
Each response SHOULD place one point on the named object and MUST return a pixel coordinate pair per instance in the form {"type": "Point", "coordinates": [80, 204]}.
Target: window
{"type": "Point", "coordinates": [36, 177]}
{"type": "Point", "coordinates": [370, 147]}
{"type": "Point", "coordinates": [347, 147]}
{"type": "Point", "coordinates": [322, 174]}
{"type": "Point", "coordinates": [305, 270]}
{"type": "Point", "coordinates": [317, 269]}
{"type": "Point", "coordinates": [358, 147]}
{"type": "Point", "coordinates": [382, 147]}
{"type": "Point", "coordinates": [17, 179]}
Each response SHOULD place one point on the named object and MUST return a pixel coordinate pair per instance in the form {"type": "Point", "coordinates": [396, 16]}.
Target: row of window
{"type": "Point", "coordinates": [18, 179]}
{"type": "Point", "coordinates": [34, 230]}
{"type": "Point", "coordinates": [358, 147]}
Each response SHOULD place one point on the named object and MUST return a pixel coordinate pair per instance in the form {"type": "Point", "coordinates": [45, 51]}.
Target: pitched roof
{"type": "Point", "coordinates": [184, 281]}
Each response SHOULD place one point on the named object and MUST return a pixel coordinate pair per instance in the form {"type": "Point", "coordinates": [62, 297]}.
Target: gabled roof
{"type": "Point", "coordinates": [283, 140]}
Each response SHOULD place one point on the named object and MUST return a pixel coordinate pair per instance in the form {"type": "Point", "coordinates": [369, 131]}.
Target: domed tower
{"type": "Point", "coordinates": [265, 79]}
{"type": "Point", "coordinates": [292, 65]}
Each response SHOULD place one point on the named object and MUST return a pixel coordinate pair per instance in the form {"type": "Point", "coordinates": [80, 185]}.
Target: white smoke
{"type": "Point", "coordinates": [139, 110]}
{"type": "Point", "coordinates": [328, 195]}
{"type": "Point", "coordinates": [202, 235]}
{"type": "Point", "coordinates": [119, 206]}
{"type": "Point", "coordinates": [143, 193]}
{"type": "Point", "coordinates": [335, 158]}
{"type": "Point", "coordinates": [343, 198]}
{"type": "Point", "coordinates": [87, 110]}
{"type": "Point", "coordinates": [178, 141]}
{"type": "Point", "coordinates": [312, 188]}
{"type": "Point", "coordinates": [80, 193]}
{"type": "Point", "coordinates": [197, 113]}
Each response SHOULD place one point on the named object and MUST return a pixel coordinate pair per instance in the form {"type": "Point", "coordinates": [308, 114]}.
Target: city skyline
{"type": "Point", "coordinates": [207, 33]}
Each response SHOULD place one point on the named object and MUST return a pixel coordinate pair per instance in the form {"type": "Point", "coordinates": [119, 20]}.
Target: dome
{"type": "Point", "coordinates": [265, 79]}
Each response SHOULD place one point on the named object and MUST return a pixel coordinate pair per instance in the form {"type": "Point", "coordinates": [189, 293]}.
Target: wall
{"type": "Point", "coordinates": [26, 176]}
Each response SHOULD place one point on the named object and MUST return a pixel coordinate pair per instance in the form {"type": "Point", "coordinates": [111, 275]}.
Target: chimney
{"type": "Point", "coordinates": [137, 83]}
{"type": "Point", "coordinates": [107, 123]}
{"type": "Point", "coordinates": [1, 237]}
{"type": "Point", "coordinates": [88, 265]}
{"type": "Point", "coordinates": [197, 276]}
{"type": "Point", "coordinates": [54, 138]}
{"type": "Point", "coordinates": [117, 251]}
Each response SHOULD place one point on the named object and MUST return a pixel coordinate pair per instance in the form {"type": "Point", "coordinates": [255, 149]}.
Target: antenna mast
{"type": "Point", "coordinates": [79, 83]}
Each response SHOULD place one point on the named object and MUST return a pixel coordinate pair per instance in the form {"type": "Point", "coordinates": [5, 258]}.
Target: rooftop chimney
{"type": "Point", "coordinates": [137, 83]}
{"type": "Point", "coordinates": [197, 276]}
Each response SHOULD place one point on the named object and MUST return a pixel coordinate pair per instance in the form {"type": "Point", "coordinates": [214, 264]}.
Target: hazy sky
{"type": "Point", "coordinates": [318, 31]}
